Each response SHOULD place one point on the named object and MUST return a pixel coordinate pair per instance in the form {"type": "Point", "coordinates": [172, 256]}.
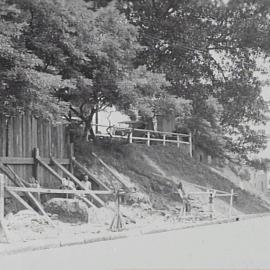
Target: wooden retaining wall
{"type": "Point", "coordinates": [21, 135]}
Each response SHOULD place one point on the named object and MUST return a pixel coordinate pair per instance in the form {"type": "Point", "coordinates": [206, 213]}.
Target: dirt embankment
{"type": "Point", "coordinates": [156, 170]}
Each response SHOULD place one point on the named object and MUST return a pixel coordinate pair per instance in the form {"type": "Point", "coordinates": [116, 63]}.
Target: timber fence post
{"type": "Point", "coordinates": [36, 165]}
{"type": "Point", "coordinates": [164, 139]}
{"type": "Point", "coordinates": [148, 138]}
{"type": "Point", "coordinates": [4, 237]}
{"type": "Point", "coordinates": [71, 155]}
{"type": "Point", "coordinates": [2, 197]}
{"type": "Point", "coordinates": [231, 204]}
{"type": "Point", "coordinates": [190, 144]}
{"type": "Point", "coordinates": [130, 136]}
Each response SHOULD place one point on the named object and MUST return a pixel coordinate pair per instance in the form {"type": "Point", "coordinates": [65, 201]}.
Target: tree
{"type": "Point", "coordinates": [22, 85]}
{"type": "Point", "coordinates": [145, 92]}
{"type": "Point", "coordinates": [93, 49]}
{"type": "Point", "coordinates": [209, 50]}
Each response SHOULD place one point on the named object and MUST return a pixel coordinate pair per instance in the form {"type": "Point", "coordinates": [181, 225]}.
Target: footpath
{"type": "Point", "coordinates": [85, 238]}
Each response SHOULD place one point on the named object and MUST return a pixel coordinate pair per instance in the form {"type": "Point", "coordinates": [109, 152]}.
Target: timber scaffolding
{"type": "Point", "coordinates": [32, 148]}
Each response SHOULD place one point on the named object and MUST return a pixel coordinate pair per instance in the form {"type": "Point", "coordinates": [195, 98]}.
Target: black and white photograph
{"type": "Point", "coordinates": [134, 134]}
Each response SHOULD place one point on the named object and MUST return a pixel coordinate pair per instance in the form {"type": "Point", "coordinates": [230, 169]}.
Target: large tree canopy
{"type": "Point", "coordinates": [22, 84]}
{"type": "Point", "coordinates": [92, 48]}
{"type": "Point", "coordinates": [208, 51]}
{"type": "Point", "coordinates": [197, 60]}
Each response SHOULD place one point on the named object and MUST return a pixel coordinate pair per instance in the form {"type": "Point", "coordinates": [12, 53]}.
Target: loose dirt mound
{"type": "Point", "coordinates": [28, 225]}
{"type": "Point", "coordinates": [68, 210]}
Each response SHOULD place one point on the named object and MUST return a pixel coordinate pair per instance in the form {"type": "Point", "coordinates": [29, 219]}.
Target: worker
{"type": "Point", "coordinates": [87, 185]}
{"type": "Point", "coordinates": [186, 204]}
{"type": "Point", "coordinates": [68, 184]}
{"type": "Point", "coordinates": [212, 194]}
{"type": "Point", "coordinates": [86, 182]}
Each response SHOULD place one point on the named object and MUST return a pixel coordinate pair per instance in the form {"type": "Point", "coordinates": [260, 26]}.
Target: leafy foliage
{"type": "Point", "coordinates": [22, 85]}
{"type": "Point", "coordinates": [196, 60]}
{"type": "Point", "coordinates": [209, 51]}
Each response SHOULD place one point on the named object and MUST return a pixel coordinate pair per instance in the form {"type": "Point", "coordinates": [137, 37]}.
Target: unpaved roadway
{"type": "Point", "coordinates": [239, 245]}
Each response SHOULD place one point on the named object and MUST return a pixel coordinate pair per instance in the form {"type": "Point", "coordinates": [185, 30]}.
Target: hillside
{"type": "Point", "coordinates": [156, 170]}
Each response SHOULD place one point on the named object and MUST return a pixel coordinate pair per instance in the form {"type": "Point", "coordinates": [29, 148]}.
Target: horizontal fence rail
{"type": "Point", "coordinates": [134, 135]}
{"type": "Point", "coordinates": [60, 191]}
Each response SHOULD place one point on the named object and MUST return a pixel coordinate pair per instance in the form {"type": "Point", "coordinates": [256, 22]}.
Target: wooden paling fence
{"type": "Point", "coordinates": [133, 135]}
{"type": "Point", "coordinates": [20, 135]}
{"type": "Point", "coordinates": [37, 152]}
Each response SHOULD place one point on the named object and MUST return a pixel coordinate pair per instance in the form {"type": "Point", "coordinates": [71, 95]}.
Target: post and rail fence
{"type": "Point", "coordinates": [135, 135]}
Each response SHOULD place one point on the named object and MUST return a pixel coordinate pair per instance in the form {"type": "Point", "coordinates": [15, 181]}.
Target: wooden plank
{"type": "Point", "coordinates": [89, 203]}
{"type": "Point", "coordinates": [16, 180]}
{"type": "Point", "coordinates": [40, 137]}
{"type": "Point", "coordinates": [19, 199]}
{"type": "Point", "coordinates": [49, 140]}
{"type": "Point", "coordinates": [2, 196]}
{"type": "Point", "coordinates": [21, 183]}
{"type": "Point", "coordinates": [67, 142]}
{"type": "Point", "coordinates": [76, 180]}
{"type": "Point", "coordinates": [34, 132]}
{"type": "Point", "coordinates": [6, 171]}
{"type": "Point", "coordinates": [82, 168]}
{"type": "Point", "coordinates": [110, 170]}
{"type": "Point", "coordinates": [15, 136]}
{"type": "Point", "coordinates": [20, 168]}
{"type": "Point", "coordinates": [54, 142]}
{"type": "Point", "coordinates": [190, 144]}
{"type": "Point", "coordinates": [231, 204]}
{"type": "Point", "coordinates": [59, 191]}
{"type": "Point", "coordinates": [20, 135]}
{"type": "Point", "coordinates": [30, 161]}
{"type": "Point", "coordinates": [19, 180]}
{"type": "Point", "coordinates": [71, 156]}
{"type": "Point", "coordinates": [53, 172]}
{"type": "Point", "coordinates": [2, 136]}
{"type": "Point", "coordinates": [24, 150]}
{"type": "Point", "coordinates": [4, 236]}
{"type": "Point", "coordinates": [49, 178]}
{"type": "Point", "coordinates": [36, 168]}
{"type": "Point", "coordinates": [28, 135]}
{"type": "Point", "coordinates": [59, 140]}
{"type": "Point", "coordinates": [10, 137]}
{"type": "Point", "coordinates": [5, 233]}
{"type": "Point", "coordinates": [44, 139]}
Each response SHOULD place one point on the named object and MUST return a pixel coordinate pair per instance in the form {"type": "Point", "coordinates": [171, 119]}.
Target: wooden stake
{"type": "Point", "coordinates": [190, 144]}
{"type": "Point", "coordinates": [16, 180]}
{"type": "Point", "coordinates": [148, 138]}
{"type": "Point", "coordinates": [231, 204]}
{"type": "Point", "coordinates": [71, 156]}
{"type": "Point", "coordinates": [164, 139]}
{"type": "Point", "coordinates": [84, 169]}
{"type": "Point", "coordinates": [2, 197]}
{"type": "Point", "coordinates": [36, 166]}
{"type": "Point", "coordinates": [117, 177]}
{"type": "Point", "coordinates": [4, 236]}
{"type": "Point", "coordinates": [130, 136]}
{"type": "Point", "coordinates": [19, 199]}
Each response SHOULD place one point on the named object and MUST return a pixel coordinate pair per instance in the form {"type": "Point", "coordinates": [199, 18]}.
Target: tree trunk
{"type": "Point", "coordinates": [88, 127]}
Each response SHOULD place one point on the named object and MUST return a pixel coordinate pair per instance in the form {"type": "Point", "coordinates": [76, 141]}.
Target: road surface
{"type": "Point", "coordinates": [240, 245]}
